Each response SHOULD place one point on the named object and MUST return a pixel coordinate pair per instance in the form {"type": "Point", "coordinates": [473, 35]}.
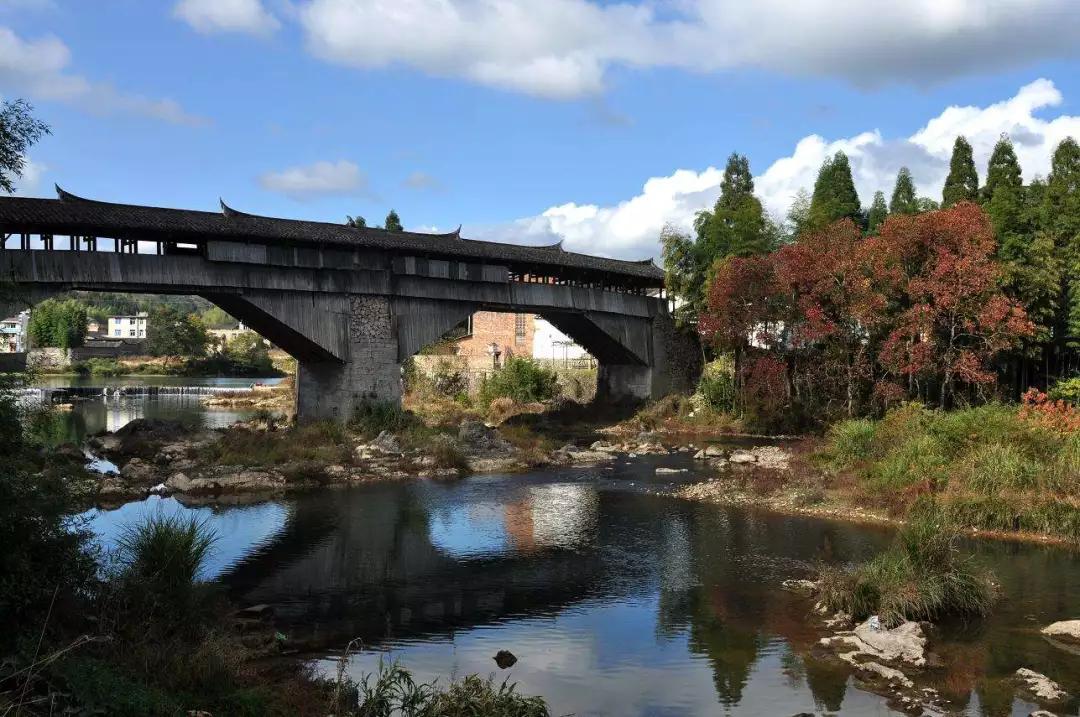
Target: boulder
{"type": "Point", "coordinates": [171, 453]}
{"type": "Point", "coordinates": [667, 471]}
{"type": "Point", "coordinates": [504, 659]}
{"type": "Point", "coordinates": [904, 643]}
{"type": "Point", "coordinates": [480, 437]}
{"type": "Point", "coordinates": [137, 471]}
{"type": "Point", "coordinates": [741, 456]}
{"type": "Point", "coordinates": [1067, 631]}
{"type": "Point", "coordinates": [386, 443]}
{"type": "Point", "coordinates": [603, 446]}
{"type": "Point", "coordinates": [1041, 686]}
{"type": "Point", "coordinates": [69, 451]}
{"type": "Point", "coordinates": [700, 455]}
{"type": "Point", "coordinates": [179, 483]}
{"type": "Point", "coordinates": [773, 457]}
{"type": "Point", "coordinates": [715, 452]}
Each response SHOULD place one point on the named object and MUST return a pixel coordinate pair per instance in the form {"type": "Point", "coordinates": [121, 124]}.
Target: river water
{"type": "Point", "coordinates": [615, 598]}
{"type": "Point", "coordinates": [99, 405]}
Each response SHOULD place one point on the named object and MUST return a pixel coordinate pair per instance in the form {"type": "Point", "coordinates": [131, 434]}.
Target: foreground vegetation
{"type": "Point", "coordinates": [993, 467]}
{"type": "Point", "coordinates": [140, 630]}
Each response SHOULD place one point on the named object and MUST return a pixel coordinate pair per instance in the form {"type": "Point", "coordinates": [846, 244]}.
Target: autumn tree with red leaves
{"type": "Point", "coordinates": [917, 311]}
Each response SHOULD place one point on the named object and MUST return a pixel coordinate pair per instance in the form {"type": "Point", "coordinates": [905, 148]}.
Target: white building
{"type": "Point", "coordinates": [553, 345]}
{"type": "Point", "coordinates": [13, 333]}
{"type": "Point", "coordinates": [128, 327]}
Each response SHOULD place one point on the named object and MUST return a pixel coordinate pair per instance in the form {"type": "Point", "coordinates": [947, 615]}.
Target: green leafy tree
{"type": "Point", "coordinates": [58, 323]}
{"type": "Point", "coordinates": [217, 318]}
{"type": "Point", "coordinates": [903, 199]}
{"type": "Point", "coordinates": [19, 131]}
{"type": "Point", "coordinates": [834, 194]}
{"type": "Point", "coordinates": [962, 184]}
{"type": "Point", "coordinates": [736, 226]}
{"type": "Point", "coordinates": [878, 212]}
{"type": "Point", "coordinates": [172, 333]}
{"type": "Point", "coordinates": [393, 222]}
{"type": "Point", "coordinates": [249, 354]}
{"type": "Point", "coordinates": [682, 275]}
{"type": "Point", "coordinates": [356, 222]}
{"type": "Point", "coordinates": [798, 216]}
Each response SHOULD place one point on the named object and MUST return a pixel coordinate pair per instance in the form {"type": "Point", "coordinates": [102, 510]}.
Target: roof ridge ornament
{"type": "Point", "coordinates": [231, 213]}
{"type": "Point", "coordinates": [66, 196]}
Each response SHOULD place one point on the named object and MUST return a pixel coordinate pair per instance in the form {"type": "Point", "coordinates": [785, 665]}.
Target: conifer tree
{"type": "Point", "coordinates": [393, 222]}
{"type": "Point", "coordinates": [878, 212]}
{"type": "Point", "coordinates": [1003, 170]}
{"type": "Point", "coordinates": [903, 196]}
{"type": "Point", "coordinates": [1060, 215]}
{"type": "Point", "coordinates": [962, 184]}
{"type": "Point", "coordinates": [834, 193]}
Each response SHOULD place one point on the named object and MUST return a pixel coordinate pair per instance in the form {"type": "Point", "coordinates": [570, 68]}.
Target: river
{"type": "Point", "coordinates": [99, 407]}
{"type": "Point", "coordinates": [615, 598]}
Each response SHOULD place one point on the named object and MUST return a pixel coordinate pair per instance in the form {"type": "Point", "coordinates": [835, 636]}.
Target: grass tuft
{"type": "Point", "coordinates": [922, 576]}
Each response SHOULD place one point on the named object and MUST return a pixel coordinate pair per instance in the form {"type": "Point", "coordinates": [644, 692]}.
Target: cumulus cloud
{"type": "Point", "coordinates": [563, 48]}
{"type": "Point", "coordinates": [39, 68]}
{"type": "Point", "coordinates": [630, 229]}
{"type": "Point", "coordinates": [208, 16]}
{"type": "Point", "coordinates": [321, 179]}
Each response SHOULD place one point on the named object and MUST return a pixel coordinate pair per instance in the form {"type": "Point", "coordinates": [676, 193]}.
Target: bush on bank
{"type": "Point", "coordinates": [993, 467]}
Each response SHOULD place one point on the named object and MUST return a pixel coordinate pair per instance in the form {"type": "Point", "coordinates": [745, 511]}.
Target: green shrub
{"type": "Point", "coordinates": [995, 467]}
{"type": "Point", "coordinates": [448, 454]}
{"type": "Point", "coordinates": [373, 417]}
{"type": "Point", "coordinates": [920, 577]}
{"type": "Point", "coordinates": [99, 367]}
{"type": "Point", "coordinates": [717, 385]}
{"type": "Point", "coordinates": [919, 460]}
{"type": "Point", "coordinates": [1066, 390]}
{"type": "Point", "coordinates": [851, 441]}
{"type": "Point", "coordinates": [522, 380]}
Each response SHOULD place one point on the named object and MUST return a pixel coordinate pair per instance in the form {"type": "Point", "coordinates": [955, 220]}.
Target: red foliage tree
{"type": "Point", "coordinates": [855, 318]}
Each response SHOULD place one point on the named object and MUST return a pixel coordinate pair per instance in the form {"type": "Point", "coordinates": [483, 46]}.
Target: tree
{"type": "Point", "coordinates": [798, 217]}
{"type": "Point", "coordinates": [737, 225]}
{"type": "Point", "coordinates": [356, 222]}
{"type": "Point", "coordinates": [1003, 171]}
{"type": "Point", "coordinates": [172, 333]}
{"type": "Point", "coordinates": [249, 354]}
{"type": "Point", "coordinates": [56, 323]}
{"type": "Point", "coordinates": [962, 184]}
{"type": "Point", "coordinates": [1060, 215]}
{"type": "Point", "coordinates": [834, 194]}
{"type": "Point", "coordinates": [217, 318]}
{"type": "Point", "coordinates": [957, 320]}
{"type": "Point", "coordinates": [682, 275]}
{"type": "Point", "coordinates": [903, 199]}
{"type": "Point", "coordinates": [393, 222]}
{"type": "Point", "coordinates": [878, 212]}
{"type": "Point", "coordinates": [19, 131]}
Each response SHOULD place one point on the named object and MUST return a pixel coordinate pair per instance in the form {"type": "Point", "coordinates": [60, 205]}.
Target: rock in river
{"type": "Point", "coordinates": [1067, 631]}
{"type": "Point", "coordinates": [505, 659]}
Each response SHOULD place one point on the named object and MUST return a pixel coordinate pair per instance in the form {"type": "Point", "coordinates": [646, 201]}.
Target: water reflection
{"type": "Point", "coordinates": [616, 601]}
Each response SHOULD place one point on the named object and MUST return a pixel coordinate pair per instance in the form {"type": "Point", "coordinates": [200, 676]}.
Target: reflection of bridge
{"type": "Point", "coordinates": [350, 304]}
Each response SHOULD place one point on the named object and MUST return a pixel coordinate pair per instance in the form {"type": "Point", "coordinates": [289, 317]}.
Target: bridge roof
{"type": "Point", "coordinates": [70, 214]}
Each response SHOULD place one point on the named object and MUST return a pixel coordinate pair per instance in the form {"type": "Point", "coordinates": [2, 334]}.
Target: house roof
{"type": "Point", "coordinates": [70, 214]}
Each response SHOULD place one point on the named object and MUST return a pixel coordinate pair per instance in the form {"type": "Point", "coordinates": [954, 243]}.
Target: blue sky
{"type": "Point", "coordinates": [523, 121]}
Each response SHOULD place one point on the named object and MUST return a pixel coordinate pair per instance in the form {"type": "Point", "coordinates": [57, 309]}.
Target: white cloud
{"type": "Point", "coordinates": [209, 16]}
{"type": "Point", "coordinates": [630, 229]}
{"type": "Point", "coordinates": [563, 48]}
{"type": "Point", "coordinates": [39, 68]}
{"type": "Point", "coordinates": [321, 179]}
{"type": "Point", "coordinates": [419, 181]}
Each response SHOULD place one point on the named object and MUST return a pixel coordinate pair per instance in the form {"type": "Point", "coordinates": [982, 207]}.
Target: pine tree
{"type": "Point", "coordinates": [738, 183]}
{"type": "Point", "coordinates": [878, 212]}
{"type": "Point", "coordinates": [834, 194]}
{"type": "Point", "coordinates": [962, 184]}
{"type": "Point", "coordinates": [1003, 171]}
{"type": "Point", "coordinates": [903, 196]}
{"type": "Point", "coordinates": [1060, 216]}
{"type": "Point", "coordinates": [737, 225]}
{"type": "Point", "coordinates": [393, 222]}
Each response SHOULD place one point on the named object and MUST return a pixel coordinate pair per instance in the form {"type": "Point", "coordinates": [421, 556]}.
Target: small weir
{"type": "Point", "coordinates": [57, 394]}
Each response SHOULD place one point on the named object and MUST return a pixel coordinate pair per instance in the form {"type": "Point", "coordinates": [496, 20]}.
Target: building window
{"type": "Point", "coordinates": [519, 329]}
{"type": "Point", "coordinates": [131, 332]}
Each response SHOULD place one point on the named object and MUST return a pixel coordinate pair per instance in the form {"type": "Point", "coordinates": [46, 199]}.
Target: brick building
{"type": "Point", "coordinates": [512, 333]}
